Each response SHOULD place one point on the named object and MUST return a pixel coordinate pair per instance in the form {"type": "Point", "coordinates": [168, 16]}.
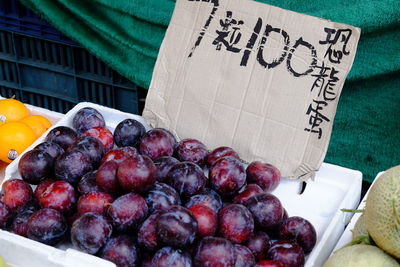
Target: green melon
{"type": "Point", "coordinates": [360, 229]}
{"type": "Point", "coordinates": [360, 256]}
{"type": "Point", "coordinates": [360, 233]}
{"type": "Point", "coordinates": [382, 212]}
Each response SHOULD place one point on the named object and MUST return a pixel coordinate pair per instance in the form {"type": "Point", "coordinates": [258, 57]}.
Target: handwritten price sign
{"type": "Point", "coordinates": [261, 79]}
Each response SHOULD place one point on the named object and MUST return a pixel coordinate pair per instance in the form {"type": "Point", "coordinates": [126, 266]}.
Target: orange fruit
{"type": "Point", "coordinates": [15, 137]}
{"type": "Point", "coordinates": [12, 110]}
{"type": "Point", "coordinates": [39, 124]}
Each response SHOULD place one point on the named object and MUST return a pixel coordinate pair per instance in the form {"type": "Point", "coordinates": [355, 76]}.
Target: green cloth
{"type": "Point", "coordinates": [127, 34]}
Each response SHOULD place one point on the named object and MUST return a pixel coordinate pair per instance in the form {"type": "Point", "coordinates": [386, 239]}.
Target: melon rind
{"type": "Point", "coordinates": [360, 233]}
{"type": "Point", "coordinates": [360, 256]}
{"type": "Point", "coordinates": [382, 211]}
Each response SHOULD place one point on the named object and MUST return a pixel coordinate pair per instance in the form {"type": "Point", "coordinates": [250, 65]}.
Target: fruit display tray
{"type": "Point", "coordinates": [347, 235]}
{"type": "Point", "coordinates": [52, 116]}
{"type": "Point", "coordinates": [318, 200]}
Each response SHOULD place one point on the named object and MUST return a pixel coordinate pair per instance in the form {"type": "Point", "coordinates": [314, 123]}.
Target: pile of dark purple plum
{"type": "Point", "coordinates": [140, 198]}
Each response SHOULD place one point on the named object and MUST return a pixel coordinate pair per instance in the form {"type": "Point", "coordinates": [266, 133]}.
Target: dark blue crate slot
{"type": "Point", "coordinates": [36, 99]}
{"type": "Point", "coordinates": [15, 17]}
{"type": "Point", "coordinates": [39, 50]}
{"type": "Point", "coordinates": [6, 44]}
{"type": "Point", "coordinates": [8, 72]}
{"type": "Point", "coordinates": [58, 76]}
{"type": "Point", "coordinates": [53, 83]}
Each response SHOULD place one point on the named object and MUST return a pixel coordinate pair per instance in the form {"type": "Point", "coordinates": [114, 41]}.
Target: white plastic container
{"type": "Point", "coordinates": [333, 188]}
{"type": "Point", "coordinates": [52, 116]}
{"type": "Point", "coordinates": [347, 235]}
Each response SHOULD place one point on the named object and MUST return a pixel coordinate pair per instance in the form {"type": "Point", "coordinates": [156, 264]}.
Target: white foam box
{"type": "Point", "coordinates": [347, 234]}
{"type": "Point", "coordinates": [52, 116]}
{"type": "Point", "coordinates": [332, 189]}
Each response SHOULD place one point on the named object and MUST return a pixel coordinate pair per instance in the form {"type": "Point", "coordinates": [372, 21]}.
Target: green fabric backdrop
{"type": "Point", "coordinates": [127, 34]}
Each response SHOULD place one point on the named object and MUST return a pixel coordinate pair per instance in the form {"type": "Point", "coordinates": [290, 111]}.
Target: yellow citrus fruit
{"type": "Point", "coordinates": [15, 137]}
{"type": "Point", "coordinates": [39, 124]}
{"type": "Point", "coordinates": [12, 110]}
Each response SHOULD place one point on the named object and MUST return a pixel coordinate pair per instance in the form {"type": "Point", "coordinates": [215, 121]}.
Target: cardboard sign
{"type": "Point", "coordinates": [260, 79]}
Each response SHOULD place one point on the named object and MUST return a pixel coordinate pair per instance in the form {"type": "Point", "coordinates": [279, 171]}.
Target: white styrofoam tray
{"type": "Point", "coordinates": [347, 234]}
{"type": "Point", "coordinates": [332, 189]}
{"type": "Point", "coordinates": [52, 116]}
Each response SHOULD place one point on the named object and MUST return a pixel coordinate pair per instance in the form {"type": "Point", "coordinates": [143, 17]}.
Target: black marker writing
{"type": "Point", "coordinates": [206, 25]}
{"type": "Point", "coordinates": [316, 117]}
{"type": "Point", "coordinates": [230, 34]}
{"type": "Point", "coordinates": [337, 40]}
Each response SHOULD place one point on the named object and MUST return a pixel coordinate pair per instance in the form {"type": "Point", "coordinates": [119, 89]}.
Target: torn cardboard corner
{"type": "Point", "coordinates": [262, 80]}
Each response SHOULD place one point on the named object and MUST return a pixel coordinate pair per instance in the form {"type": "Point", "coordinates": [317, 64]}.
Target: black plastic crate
{"type": "Point", "coordinates": [17, 18]}
{"type": "Point", "coordinates": [57, 76]}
